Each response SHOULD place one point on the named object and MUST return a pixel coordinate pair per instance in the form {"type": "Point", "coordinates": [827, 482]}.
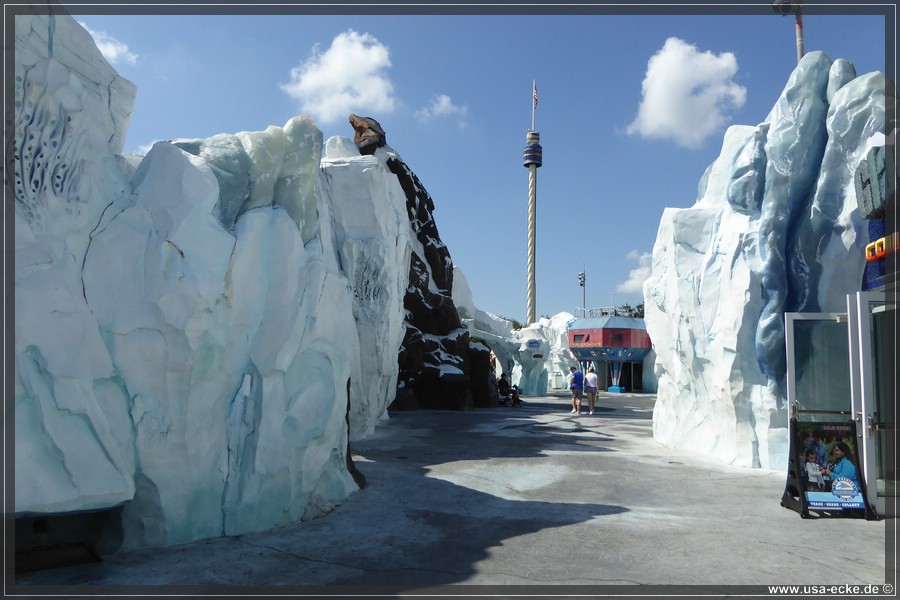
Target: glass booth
{"type": "Point", "coordinates": [838, 370]}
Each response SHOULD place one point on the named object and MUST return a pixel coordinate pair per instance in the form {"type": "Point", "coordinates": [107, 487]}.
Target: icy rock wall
{"type": "Point", "coordinates": [186, 328]}
{"type": "Point", "coordinates": [775, 229]}
{"type": "Point", "coordinates": [373, 240]}
{"type": "Point", "coordinates": [560, 357]}
{"type": "Point", "coordinates": [543, 350]}
{"type": "Point", "coordinates": [531, 355]}
{"type": "Point", "coordinates": [74, 437]}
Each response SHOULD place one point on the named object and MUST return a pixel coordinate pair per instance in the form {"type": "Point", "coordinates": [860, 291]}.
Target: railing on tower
{"type": "Point", "coordinates": [596, 313]}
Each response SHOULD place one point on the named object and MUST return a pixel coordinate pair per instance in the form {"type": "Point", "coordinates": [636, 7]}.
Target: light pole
{"type": "Point", "coordinates": [581, 277]}
{"type": "Point", "coordinates": [784, 8]}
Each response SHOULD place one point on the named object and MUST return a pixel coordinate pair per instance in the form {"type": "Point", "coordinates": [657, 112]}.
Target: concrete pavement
{"type": "Point", "coordinates": [519, 501]}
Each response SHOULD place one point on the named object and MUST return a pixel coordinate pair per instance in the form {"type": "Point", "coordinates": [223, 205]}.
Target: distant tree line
{"type": "Point", "coordinates": [627, 310]}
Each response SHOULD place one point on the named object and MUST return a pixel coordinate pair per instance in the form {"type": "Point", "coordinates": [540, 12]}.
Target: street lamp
{"type": "Point", "coordinates": [583, 292]}
{"type": "Point", "coordinates": [784, 8]}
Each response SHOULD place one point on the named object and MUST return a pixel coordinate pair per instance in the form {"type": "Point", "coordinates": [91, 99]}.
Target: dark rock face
{"type": "Point", "coordinates": [434, 359]}
{"type": "Point", "coordinates": [482, 384]}
{"type": "Point", "coordinates": [369, 134]}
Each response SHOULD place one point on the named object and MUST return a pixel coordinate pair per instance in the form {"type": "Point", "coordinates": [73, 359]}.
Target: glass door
{"type": "Point", "coordinates": [824, 474]}
{"type": "Point", "coordinates": [818, 366]}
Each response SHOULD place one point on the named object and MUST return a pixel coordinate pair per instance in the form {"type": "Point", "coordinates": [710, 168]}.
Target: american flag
{"type": "Point", "coordinates": [535, 96]}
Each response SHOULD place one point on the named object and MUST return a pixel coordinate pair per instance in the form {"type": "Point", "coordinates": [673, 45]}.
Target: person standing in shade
{"type": "Point", "coordinates": [591, 385]}
{"type": "Point", "coordinates": [576, 385]}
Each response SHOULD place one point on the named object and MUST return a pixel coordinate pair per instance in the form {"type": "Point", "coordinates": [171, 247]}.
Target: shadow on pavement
{"type": "Point", "coordinates": [445, 491]}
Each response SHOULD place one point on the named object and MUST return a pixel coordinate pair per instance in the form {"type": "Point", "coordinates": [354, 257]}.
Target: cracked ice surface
{"type": "Point", "coordinates": [775, 229]}
{"type": "Point", "coordinates": [373, 241]}
{"type": "Point", "coordinates": [189, 324]}
{"type": "Point", "coordinates": [71, 406]}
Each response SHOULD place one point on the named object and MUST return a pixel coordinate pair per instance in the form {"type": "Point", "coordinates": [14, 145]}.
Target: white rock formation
{"type": "Point", "coordinates": [73, 431]}
{"type": "Point", "coordinates": [373, 240]}
{"type": "Point", "coordinates": [530, 355]}
{"type": "Point", "coordinates": [775, 229]}
{"type": "Point", "coordinates": [561, 358]}
{"type": "Point", "coordinates": [189, 324]}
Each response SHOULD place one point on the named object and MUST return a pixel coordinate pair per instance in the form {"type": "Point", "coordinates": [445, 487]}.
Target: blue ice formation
{"type": "Point", "coordinates": [191, 324]}
{"type": "Point", "coordinates": [775, 229]}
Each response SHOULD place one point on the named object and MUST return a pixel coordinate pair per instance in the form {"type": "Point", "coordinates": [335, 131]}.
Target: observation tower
{"type": "Point", "coordinates": [532, 159]}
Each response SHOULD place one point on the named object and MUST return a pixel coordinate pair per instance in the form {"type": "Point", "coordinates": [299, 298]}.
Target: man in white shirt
{"type": "Point", "coordinates": [591, 385]}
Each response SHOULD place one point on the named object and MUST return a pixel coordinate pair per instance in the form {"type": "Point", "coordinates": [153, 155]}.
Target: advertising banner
{"type": "Point", "coordinates": [827, 460]}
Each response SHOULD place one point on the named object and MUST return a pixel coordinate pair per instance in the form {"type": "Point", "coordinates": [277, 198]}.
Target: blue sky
{"type": "Point", "coordinates": [631, 111]}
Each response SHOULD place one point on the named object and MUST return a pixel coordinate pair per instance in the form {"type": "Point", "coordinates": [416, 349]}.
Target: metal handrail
{"type": "Point", "coordinates": [595, 313]}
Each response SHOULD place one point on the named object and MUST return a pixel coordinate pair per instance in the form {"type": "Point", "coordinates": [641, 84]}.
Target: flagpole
{"type": "Point", "coordinates": [533, 103]}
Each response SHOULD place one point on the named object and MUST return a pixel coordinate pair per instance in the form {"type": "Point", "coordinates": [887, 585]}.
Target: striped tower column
{"type": "Point", "coordinates": [533, 157]}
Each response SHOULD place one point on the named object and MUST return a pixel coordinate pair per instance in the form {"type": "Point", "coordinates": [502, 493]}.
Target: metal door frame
{"type": "Point", "coordinates": [789, 318]}
{"type": "Point", "coordinates": [862, 378]}
{"type": "Point", "coordinates": [863, 385]}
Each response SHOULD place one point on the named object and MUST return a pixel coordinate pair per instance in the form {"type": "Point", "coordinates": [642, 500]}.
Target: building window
{"type": "Point", "coordinates": [617, 338]}
{"type": "Point", "coordinates": [580, 337]}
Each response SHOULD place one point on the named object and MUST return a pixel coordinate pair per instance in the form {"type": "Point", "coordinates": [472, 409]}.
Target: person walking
{"type": "Point", "coordinates": [591, 385]}
{"type": "Point", "coordinates": [576, 385]}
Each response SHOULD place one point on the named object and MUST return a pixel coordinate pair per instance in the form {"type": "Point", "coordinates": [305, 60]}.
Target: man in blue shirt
{"type": "Point", "coordinates": [576, 384]}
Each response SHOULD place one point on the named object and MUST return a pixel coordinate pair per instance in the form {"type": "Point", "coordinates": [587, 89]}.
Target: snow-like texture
{"type": "Point", "coordinates": [531, 355]}
{"type": "Point", "coordinates": [193, 326]}
{"type": "Point", "coordinates": [74, 436]}
{"type": "Point", "coordinates": [775, 229]}
{"type": "Point", "coordinates": [560, 357]}
{"type": "Point", "coordinates": [373, 240]}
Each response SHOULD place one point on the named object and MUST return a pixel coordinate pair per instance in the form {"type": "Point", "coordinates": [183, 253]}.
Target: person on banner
{"type": "Point", "coordinates": [814, 443]}
{"type": "Point", "coordinates": [576, 385]}
{"type": "Point", "coordinates": [815, 480]}
{"type": "Point", "coordinates": [844, 466]}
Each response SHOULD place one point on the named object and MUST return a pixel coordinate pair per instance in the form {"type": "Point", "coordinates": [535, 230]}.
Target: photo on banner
{"type": "Point", "coordinates": [829, 467]}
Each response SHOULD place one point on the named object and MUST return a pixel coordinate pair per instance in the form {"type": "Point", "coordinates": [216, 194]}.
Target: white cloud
{"type": "Point", "coordinates": [347, 78]}
{"type": "Point", "coordinates": [687, 94]}
{"type": "Point", "coordinates": [442, 106]}
{"type": "Point", "coordinates": [637, 277]}
{"type": "Point", "coordinates": [145, 148]}
{"type": "Point", "coordinates": [113, 50]}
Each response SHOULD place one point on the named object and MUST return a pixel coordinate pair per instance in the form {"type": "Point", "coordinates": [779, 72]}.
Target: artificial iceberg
{"type": "Point", "coordinates": [200, 331]}
{"type": "Point", "coordinates": [776, 228]}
